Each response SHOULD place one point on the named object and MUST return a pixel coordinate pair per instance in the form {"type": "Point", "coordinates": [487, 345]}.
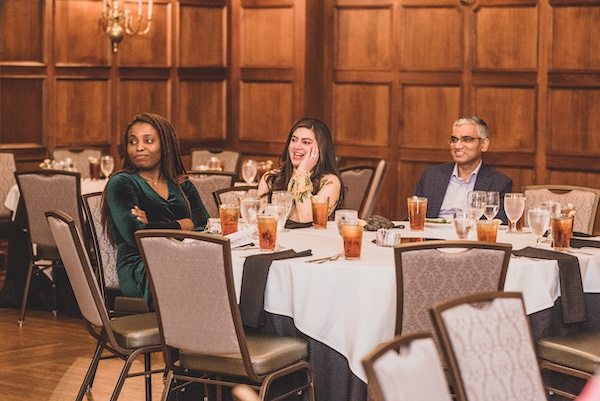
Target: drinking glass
{"type": "Point", "coordinates": [514, 206]}
{"type": "Point", "coordinates": [476, 202]}
{"type": "Point", "coordinates": [492, 204]}
{"type": "Point", "coordinates": [283, 198]}
{"type": "Point", "coordinates": [320, 205]}
{"type": "Point", "coordinates": [562, 228]}
{"type": "Point", "coordinates": [249, 171]}
{"type": "Point", "coordinates": [417, 211]}
{"type": "Point", "coordinates": [250, 208]}
{"type": "Point", "coordinates": [230, 215]}
{"type": "Point", "coordinates": [352, 233]}
{"type": "Point", "coordinates": [539, 220]}
{"type": "Point", "coordinates": [463, 224]}
{"type": "Point", "coordinates": [267, 231]}
{"type": "Point", "coordinates": [555, 209]}
{"type": "Point", "coordinates": [342, 215]}
{"type": "Point", "coordinates": [107, 165]}
{"type": "Point", "coordinates": [487, 230]}
{"type": "Point", "coordinates": [280, 211]}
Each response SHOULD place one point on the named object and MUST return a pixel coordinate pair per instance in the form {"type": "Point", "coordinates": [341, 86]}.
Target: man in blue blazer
{"type": "Point", "coordinates": [446, 185]}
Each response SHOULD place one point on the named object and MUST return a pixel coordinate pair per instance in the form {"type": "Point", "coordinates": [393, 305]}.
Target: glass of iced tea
{"type": "Point", "coordinates": [230, 215]}
{"type": "Point", "coordinates": [562, 227]}
{"type": "Point", "coordinates": [487, 230]}
{"type": "Point", "coordinates": [352, 232]}
{"type": "Point", "coordinates": [267, 231]}
{"type": "Point", "coordinates": [417, 209]}
{"type": "Point", "coordinates": [320, 205]}
{"type": "Point", "coordinates": [94, 168]}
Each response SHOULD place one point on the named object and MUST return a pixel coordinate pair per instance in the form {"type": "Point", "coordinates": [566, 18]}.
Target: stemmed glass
{"type": "Point", "coordinates": [249, 171]}
{"type": "Point", "coordinates": [250, 209]}
{"type": "Point", "coordinates": [463, 224]}
{"type": "Point", "coordinates": [107, 165]}
{"type": "Point", "coordinates": [514, 206]}
{"type": "Point", "coordinates": [492, 204]}
{"type": "Point", "coordinates": [283, 198]}
{"type": "Point", "coordinates": [539, 220]}
{"type": "Point", "coordinates": [476, 202]}
{"type": "Point", "coordinates": [554, 207]}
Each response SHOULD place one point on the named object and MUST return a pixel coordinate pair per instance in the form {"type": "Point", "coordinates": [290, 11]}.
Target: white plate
{"type": "Point", "coordinates": [439, 225]}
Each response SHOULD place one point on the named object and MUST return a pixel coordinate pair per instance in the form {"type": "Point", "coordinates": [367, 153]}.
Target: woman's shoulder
{"type": "Point", "coordinates": [329, 178]}
{"type": "Point", "coordinates": [121, 178]}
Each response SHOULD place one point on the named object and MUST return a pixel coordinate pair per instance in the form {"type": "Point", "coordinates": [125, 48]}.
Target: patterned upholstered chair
{"type": "Point", "coordinates": [362, 185]}
{"type": "Point", "coordinates": [205, 341]}
{"type": "Point", "coordinates": [487, 342]}
{"type": "Point", "coordinates": [208, 182]}
{"type": "Point", "coordinates": [231, 159]}
{"type": "Point", "coordinates": [233, 194]}
{"type": "Point", "coordinates": [584, 199]}
{"type": "Point", "coordinates": [407, 368]}
{"type": "Point", "coordinates": [79, 158]}
{"type": "Point", "coordinates": [7, 180]}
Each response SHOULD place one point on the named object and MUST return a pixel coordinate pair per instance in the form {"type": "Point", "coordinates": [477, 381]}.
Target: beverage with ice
{"type": "Point", "coordinates": [514, 206]}
{"type": "Point", "coordinates": [250, 208]}
{"type": "Point", "coordinates": [249, 171]}
{"type": "Point", "coordinates": [492, 204]}
{"type": "Point", "coordinates": [539, 219]}
{"type": "Point", "coordinates": [487, 230]}
{"type": "Point", "coordinates": [417, 209]}
{"type": "Point", "coordinates": [230, 215]}
{"type": "Point", "coordinates": [562, 227]}
{"type": "Point", "coordinates": [463, 224]}
{"type": "Point", "coordinates": [267, 231]}
{"type": "Point", "coordinates": [352, 236]}
{"type": "Point", "coordinates": [320, 205]}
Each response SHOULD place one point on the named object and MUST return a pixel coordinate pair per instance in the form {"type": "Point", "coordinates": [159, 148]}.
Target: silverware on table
{"type": "Point", "coordinates": [326, 259]}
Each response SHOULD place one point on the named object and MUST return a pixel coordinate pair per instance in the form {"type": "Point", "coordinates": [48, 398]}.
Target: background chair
{"type": "Point", "coordinates": [231, 159]}
{"type": "Point", "coordinates": [195, 270]}
{"type": "Point", "coordinates": [79, 157]}
{"type": "Point", "coordinates": [406, 368]}
{"type": "Point", "coordinates": [41, 191]}
{"type": "Point", "coordinates": [233, 194]}
{"type": "Point", "coordinates": [363, 185]}
{"type": "Point", "coordinates": [584, 199]}
{"type": "Point", "coordinates": [106, 261]}
{"type": "Point", "coordinates": [487, 342]}
{"type": "Point", "coordinates": [125, 337]}
{"type": "Point", "coordinates": [7, 180]}
{"type": "Point", "coordinates": [206, 182]}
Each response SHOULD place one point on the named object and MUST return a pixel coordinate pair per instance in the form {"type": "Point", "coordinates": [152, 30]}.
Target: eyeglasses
{"type": "Point", "coordinates": [465, 139]}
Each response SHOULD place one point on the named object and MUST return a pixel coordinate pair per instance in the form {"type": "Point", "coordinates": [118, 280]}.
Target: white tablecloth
{"type": "Point", "coordinates": [350, 306]}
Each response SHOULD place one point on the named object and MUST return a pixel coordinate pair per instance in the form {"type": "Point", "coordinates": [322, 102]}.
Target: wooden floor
{"type": "Point", "coordinates": [48, 357]}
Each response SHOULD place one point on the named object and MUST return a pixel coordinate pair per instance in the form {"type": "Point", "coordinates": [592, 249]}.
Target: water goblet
{"type": "Point", "coordinates": [555, 209]}
{"type": "Point", "coordinates": [249, 209]}
{"type": "Point", "coordinates": [539, 220]}
{"type": "Point", "coordinates": [342, 215]}
{"type": "Point", "coordinates": [463, 224]}
{"type": "Point", "coordinates": [107, 165]}
{"type": "Point", "coordinates": [249, 171]}
{"type": "Point", "coordinates": [514, 206]}
{"type": "Point", "coordinates": [476, 202]}
{"type": "Point", "coordinates": [280, 211]}
{"type": "Point", "coordinates": [283, 198]}
{"type": "Point", "coordinates": [492, 204]}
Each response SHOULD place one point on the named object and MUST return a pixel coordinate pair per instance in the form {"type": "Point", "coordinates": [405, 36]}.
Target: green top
{"type": "Point", "coordinates": [123, 192]}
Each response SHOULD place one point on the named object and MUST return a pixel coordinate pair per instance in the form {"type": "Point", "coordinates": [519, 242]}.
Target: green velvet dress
{"type": "Point", "coordinates": [123, 192]}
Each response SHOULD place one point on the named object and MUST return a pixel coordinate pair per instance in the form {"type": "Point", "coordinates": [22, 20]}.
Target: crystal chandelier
{"type": "Point", "coordinates": [118, 21]}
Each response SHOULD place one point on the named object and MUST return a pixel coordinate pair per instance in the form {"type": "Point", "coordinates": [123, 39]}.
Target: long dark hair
{"type": "Point", "coordinates": [279, 179]}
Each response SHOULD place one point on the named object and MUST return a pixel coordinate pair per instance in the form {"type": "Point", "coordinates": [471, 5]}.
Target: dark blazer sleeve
{"type": "Point", "coordinates": [490, 179]}
{"type": "Point", "coordinates": [432, 185]}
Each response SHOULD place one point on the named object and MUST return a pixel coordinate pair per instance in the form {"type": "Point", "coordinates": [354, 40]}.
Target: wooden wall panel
{"type": "Point", "coordinates": [203, 36]}
{"type": "Point", "coordinates": [363, 39]}
{"type": "Point", "coordinates": [265, 111]}
{"type": "Point", "coordinates": [516, 48]}
{"type": "Point", "coordinates": [82, 111]}
{"type": "Point", "coordinates": [22, 30]}
{"type": "Point", "coordinates": [78, 38]}
{"type": "Point", "coordinates": [512, 126]}
{"type": "Point", "coordinates": [362, 114]}
{"type": "Point", "coordinates": [22, 105]}
{"type": "Point", "coordinates": [138, 96]}
{"type": "Point", "coordinates": [153, 49]}
{"type": "Point", "coordinates": [575, 38]}
{"type": "Point", "coordinates": [575, 127]}
{"type": "Point", "coordinates": [201, 110]}
{"type": "Point", "coordinates": [426, 111]}
{"type": "Point", "coordinates": [267, 37]}
{"type": "Point", "coordinates": [431, 39]}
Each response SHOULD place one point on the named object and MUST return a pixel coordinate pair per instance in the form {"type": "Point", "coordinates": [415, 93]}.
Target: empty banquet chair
{"type": "Point", "coordinates": [195, 270]}
{"type": "Point", "coordinates": [487, 342]}
{"type": "Point", "coordinates": [41, 191]}
{"type": "Point", "coordinates": [233, 194]}
{"type": "Point", "coordinates": [206, 182]}
{"type": "Point", "coordinates": [106, 261]}
{"type": "Point", "coordinates": [230, 158]}
{"type": "Point", "coordinates": [79, 157]}
{"type": "Point", "coordinates": [362, 187]}
{"type": "Point", "coordinates": [584, 199]}
{"type": "Point", "coordinates": [407, 368]}
{"type": "Point", "coordinates": [7, 180]}
{"type": "Point", "coordinates": [125, 337]}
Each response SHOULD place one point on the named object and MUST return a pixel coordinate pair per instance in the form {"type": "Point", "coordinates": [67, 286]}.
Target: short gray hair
{"type": "Point", "coordinates": [482, 128]}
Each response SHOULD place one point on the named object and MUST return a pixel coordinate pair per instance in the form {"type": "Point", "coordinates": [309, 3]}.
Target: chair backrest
{"type": "Point", "coordinates": [208, 182]}
{"type": "Point", "coordinates": [487, 342]}
{"type": "Point", "coordinates": [407, 368]}
{"type": "Point", "coordinates": [230, 158]}
{"type": "Point", "coordinates": [79, 156]}
{"type": "Point", "coordinates": [362, 187]}
{"type": "Point", "coordinates": [233, 194]}
{"type": "Point", "coordinates": [584, 199]}
{"type": "Point", "coordinates": [434, 271]}
{"type": "Point", "coordinates": [106, 252]}
{"type": "Point", "coordinates": [44, 190]}
{"type": "Point", "coordinates": [178, 263]}
{"type": "Point", "coordinates": [7, 179]}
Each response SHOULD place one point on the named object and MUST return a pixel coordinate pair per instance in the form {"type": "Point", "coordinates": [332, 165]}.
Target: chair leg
{"type": "Point", "coordinates": [125, 374]}
{"type": "Point", "coordinates": [25, 295]}
{"type": "Point", "coordinates": [168, 384]}
{"type": "Point", "coordinates": [91, 372]}
{"type": "Point", "coordinates": [54, 293]}
{"type": "Point", "coordinates": [148, 376]}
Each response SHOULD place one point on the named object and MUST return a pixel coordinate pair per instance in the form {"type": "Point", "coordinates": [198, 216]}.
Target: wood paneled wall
{"type": "Point", "coordinates": [388, 76]}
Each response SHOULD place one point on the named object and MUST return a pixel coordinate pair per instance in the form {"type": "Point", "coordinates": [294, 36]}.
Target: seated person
{"type": "Point", "coordinates": [307, 168]}
{"type": "Point", "coordinates": [446, 185]}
